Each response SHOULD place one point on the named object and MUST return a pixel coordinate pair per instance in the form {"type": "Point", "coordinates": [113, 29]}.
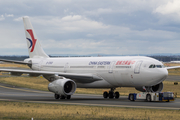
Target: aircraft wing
{"type": "Point", "coordinates": [17, 62]}
{"type": "Point", "coordinates": [173, 67]}
{"type": "Point", "coordinates": [81, 78]}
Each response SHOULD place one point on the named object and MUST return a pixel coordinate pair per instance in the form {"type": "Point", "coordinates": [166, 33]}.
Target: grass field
{"type": "Point", "coordinates": [14, 65]}
{"type": "Point", "coordinates": [38, 111]}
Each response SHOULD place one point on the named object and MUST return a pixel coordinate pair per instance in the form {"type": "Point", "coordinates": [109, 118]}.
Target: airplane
{"type": "Point", "coordinates": [67, 74]}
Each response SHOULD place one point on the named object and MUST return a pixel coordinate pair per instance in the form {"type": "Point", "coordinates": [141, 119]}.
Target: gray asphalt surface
{"type": "Point", "coordinates": [173, 78]}
{"type": "Point", "coordinates": [12, 93]}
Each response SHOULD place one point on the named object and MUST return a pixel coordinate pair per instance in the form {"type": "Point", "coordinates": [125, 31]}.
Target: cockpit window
{"type": "Point", "coordinates": [152, 66]}
{"type": "Point", "coordinates": [159, 66]}
{"type": "Point", "coordinates": [156, 66]}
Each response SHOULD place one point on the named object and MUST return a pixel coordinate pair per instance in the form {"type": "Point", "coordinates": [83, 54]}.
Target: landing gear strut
{"type": "Point", "coordinates": [57, 96]}
{"type": "Point", "coordinates": [111, 94]}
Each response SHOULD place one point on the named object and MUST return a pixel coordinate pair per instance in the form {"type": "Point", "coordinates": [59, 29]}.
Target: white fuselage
{"type": "Point", "coordinates": [115, 71]}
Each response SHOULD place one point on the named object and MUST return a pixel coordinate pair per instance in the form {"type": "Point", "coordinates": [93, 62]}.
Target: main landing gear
{"type": "Point", "coordinates": [111, 94]}
{"type": "Point", "coordinates": [57, 96]}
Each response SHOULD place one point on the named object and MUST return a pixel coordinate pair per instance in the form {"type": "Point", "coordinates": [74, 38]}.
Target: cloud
{"type": "Point", "coordinates": [84, 27]}
{"type": "Point", "coordinates": [104, 11]}
{"type": "Point", "coordinates": [2, 18]}
{"type": "Point", "coordinates": [9, 15]}
{"type": "Point", "coordinates": [168, 13]}
{"type": "Point", "coordinates": [71, 23]}
{"type": "Point", "coordinates": [72, 18]}
{"type": "Point", "coordinates": [100, 11]}
{"type": "Point", "coordinates": [18, 19]}
{"type": "Point", "coordinates": [170, 8]}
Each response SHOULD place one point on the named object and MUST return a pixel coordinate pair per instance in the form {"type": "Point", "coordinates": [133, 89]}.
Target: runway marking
{"type": "Point", "coordinates": [85, 104]}
{"type": "Point", "coordinates": [24, 90]}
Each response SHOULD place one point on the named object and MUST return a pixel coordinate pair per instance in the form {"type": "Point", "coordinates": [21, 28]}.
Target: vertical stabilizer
{"type": "Point", "coordinates": [34, 46]}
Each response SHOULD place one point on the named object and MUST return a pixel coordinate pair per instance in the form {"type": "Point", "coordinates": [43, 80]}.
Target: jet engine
{"type": "Point", "coordinates": [62, 87]}
{"type": "Point", "coordinates": [155, 88]}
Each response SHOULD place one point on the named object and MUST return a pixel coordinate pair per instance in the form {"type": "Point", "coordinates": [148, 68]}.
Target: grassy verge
{"type": "Point", "coordinates": [14, 65]}
{"type": "Point", "coordinates": [18, 110]}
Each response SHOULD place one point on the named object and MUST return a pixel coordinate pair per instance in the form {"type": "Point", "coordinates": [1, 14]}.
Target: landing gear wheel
{"type": "Point", "coordinates": [69, 97]}
{"type": "Point", "coordinates": [105, 95]}
{"type": "Point", "coordinates": [56, 96]}
{"type": "Point", "coordinates": [111, 94]}
{"type": "Point", "coordinates": [116, 95]}
{"type": "Point", "coordinates": [62, 97]}
{"type": "Point", "coordinates": [131, 97]}
{"type": "Point", "coordinates": [148, 97]}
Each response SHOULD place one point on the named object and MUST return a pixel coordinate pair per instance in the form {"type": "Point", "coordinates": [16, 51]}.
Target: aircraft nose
{"type": "Point", "coordinates": [162, 75]}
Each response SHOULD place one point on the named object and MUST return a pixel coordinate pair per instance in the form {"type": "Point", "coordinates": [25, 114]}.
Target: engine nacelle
{"type": "Point", "coordinates": [62, 87]}
{"type": "Point", "coordinates": [155, 88]}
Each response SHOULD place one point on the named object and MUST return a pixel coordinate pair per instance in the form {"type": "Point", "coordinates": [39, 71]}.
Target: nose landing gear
{"type": "Point", "coordinates": [111, 94]}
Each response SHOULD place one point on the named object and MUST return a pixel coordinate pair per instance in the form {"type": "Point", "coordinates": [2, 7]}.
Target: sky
{"type": "Point", "coordinates": [83, 27]}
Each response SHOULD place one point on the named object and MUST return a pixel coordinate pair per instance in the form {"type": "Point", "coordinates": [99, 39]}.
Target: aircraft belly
{"type": "Point", "coordinates": [109, 77]}
{"type": "Point", "coordinates": [96, 84]}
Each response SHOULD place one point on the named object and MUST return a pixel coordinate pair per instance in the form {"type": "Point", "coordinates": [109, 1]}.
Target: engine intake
{"type": "Point", "coordinates": [155, 88]}
{"type": "Point", "coordinates": [62, 87]}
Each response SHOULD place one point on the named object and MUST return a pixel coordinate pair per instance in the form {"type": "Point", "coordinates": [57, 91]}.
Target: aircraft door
{"type": "Point", "coordinates": [137, 67]}
{"type": "Point", "coordinates": [66, 67]}
{"type": "Point", "coordinates": [111, 67]}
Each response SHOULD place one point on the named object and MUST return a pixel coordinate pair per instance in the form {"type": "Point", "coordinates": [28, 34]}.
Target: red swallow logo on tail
{"type": "Point", "coordinates": [32, 40]}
